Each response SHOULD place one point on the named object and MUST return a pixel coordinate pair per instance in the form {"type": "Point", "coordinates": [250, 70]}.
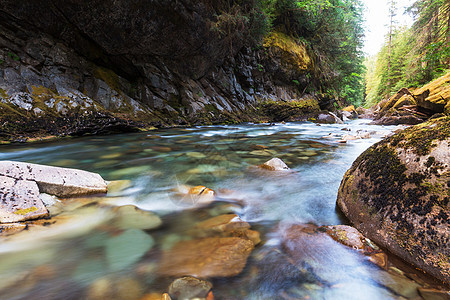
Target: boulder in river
{"type": "Point", "coordinates": [56, 181]}
{"type": "Point", "coordinates": [207, 257]}
{"type": "Point", "coordinates": [19, 200]}
{"type": "Point", "coordinates": [397, 194]}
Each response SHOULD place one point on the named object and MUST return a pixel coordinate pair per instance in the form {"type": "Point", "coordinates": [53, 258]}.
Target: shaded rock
{"type": "Point", "coordinates": [350, 236]}
{"type": "Point", "coordinates": [130, 216]}
{"type": "Point", "coordinates": [11, 228]}
{"type": "Point", "coordinates": [19, 200]}
{"type": "Point", "coordinates": [349, 112]}
{"type": "Point", "coordinates": [397, 283]}
{"type": "Point", "coordinates": [396, 120]}
{"type": "Point", "coordinates": [127, 248]}
{"type": "Point", "coordinates": [186, 288]}
{"type": "Point", "coordinates": [207, 257]}
{"type": "Point", "coordinates": [432, 294]}
{"type": "Point", "coordinates": [396, 194]}
{"type": "Point", "coordinates": [275, 164]}
{"type": "Point", "coordinates": [327, 118]}
{"type": "Point", "coordinates": [61, 182]}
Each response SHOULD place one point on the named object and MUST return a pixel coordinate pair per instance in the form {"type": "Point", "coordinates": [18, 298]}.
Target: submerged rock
{"type": "Point", "coordinates": [130, 216]}
{"type": "Point", "coordinates": [193, 196]}
{"type": "Point", "coordinates": [126, 249]}
{"type": "Point", "coordinates": [189, 288]}
{"type": "Point", "coordinates": [226, 225]}
{"type": "Point", "coordinates": [397, 194]}
{"type": "Point", "coordinates": [56, 181]}
{"type": "Point", "coordinates": [19, 200]}
{"type": "Point", "coordinates": [207, 257]}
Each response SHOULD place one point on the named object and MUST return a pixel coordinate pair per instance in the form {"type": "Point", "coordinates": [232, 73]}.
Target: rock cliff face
{"type": "Point", "coordinates": [397, 194]}
{"type": "Point", "coordinates": [75, 67]}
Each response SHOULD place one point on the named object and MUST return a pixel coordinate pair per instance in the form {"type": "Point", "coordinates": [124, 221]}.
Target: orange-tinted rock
{"type": "Point", "coordinates": [152, 296]}
{"type": "Point", "coordinates": [11, 228]}
{"type": "Point", "coordinates": [226, 225]}
{"type": "Point", "coordinates": [207, 257]}
{"type": "Point", "coordinates": [380, 259]}
{"type": "Point", "coordinates": [197, 195]}
{"type": "Point", "coordinates": [223, 223]}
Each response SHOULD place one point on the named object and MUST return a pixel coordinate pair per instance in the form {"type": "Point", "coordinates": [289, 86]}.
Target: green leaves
{"type": "Point", "coordinates": [418, 54]}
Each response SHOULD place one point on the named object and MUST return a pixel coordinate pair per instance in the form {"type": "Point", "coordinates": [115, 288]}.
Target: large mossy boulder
{"type": "Point", "coordinates": [397, 194]}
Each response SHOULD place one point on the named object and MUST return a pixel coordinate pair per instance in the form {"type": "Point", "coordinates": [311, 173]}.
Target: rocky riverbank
{"type": "Point", "coordinates": [414, 106]}
{"type": "Point", "coordinates": [64, 72]}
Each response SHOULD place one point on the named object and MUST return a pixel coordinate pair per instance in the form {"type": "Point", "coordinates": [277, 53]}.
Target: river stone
{"type": "Point", "coordinates": [432, 294]}
{"type": "Point", "coordinates": [275, 164]}
{"type": "Point", "coordinates": [223, 223]}
{"type": "Point", "coordinates": [130, 216]}
{"type": "Point", "coordinates": [397, 194]}
{"type": "Point", "coordinates": [126, 249]}
{"type": "Point", "coordinates": [207, 257]}
{"type": "Point", "coordinates": [226, 225]}
{"type": "Point", "coordinates": [186, 288]}
{"type": "Point", "coordinates": [56, 181]}
{"type": "Point", "coordinates": [19, 200]}
{"type": "Point", "coordinates": [347, 235]}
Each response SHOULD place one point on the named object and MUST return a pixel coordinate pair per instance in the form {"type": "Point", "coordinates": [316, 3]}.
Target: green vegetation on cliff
{"type": "Point", "coordinates": [415, 56]}
{"type": "Point", "coordinates": [330, 30]}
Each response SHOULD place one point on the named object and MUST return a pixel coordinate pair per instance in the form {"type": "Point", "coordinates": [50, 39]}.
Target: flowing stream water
{"type": "Point", "coordinates": [62, 262]}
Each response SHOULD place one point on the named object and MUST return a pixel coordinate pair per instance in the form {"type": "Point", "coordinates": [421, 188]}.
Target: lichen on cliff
{"type": "Point", "coordinates": [292, 53]}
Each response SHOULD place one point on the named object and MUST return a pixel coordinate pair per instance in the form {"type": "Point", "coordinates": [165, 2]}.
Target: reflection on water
{"type": "Point", "coordinates": [86, 253]}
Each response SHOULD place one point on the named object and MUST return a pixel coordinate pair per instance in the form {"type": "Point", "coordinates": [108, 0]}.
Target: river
{"type": "Point", "coordinates": [61, 262]}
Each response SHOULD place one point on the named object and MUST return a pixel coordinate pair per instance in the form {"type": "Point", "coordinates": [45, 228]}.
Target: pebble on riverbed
{"type": "Point", "coordinates": [275, 164]}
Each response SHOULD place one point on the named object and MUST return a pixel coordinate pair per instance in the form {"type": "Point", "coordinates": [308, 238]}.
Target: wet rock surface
{"type": "Point", "coordinates": [207, 257]}
{"type": "Point", "coordinates": [396, 193]}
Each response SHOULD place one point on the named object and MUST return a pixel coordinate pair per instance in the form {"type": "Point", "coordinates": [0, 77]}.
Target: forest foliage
{"type": "Point", "coordinates": [331, 30]}
{"type": "Point", "coordinates": [418, 55]}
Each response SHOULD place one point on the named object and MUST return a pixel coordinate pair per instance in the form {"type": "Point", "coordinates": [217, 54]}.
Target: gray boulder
{"type": "Point", "coordinates": [19, 200]}
{"type": "Point", "coordinates": [62, 182]}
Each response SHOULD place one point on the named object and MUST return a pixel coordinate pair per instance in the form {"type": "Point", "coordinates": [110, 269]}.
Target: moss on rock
{"type": "Point", "coordinates": [397, 194]}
